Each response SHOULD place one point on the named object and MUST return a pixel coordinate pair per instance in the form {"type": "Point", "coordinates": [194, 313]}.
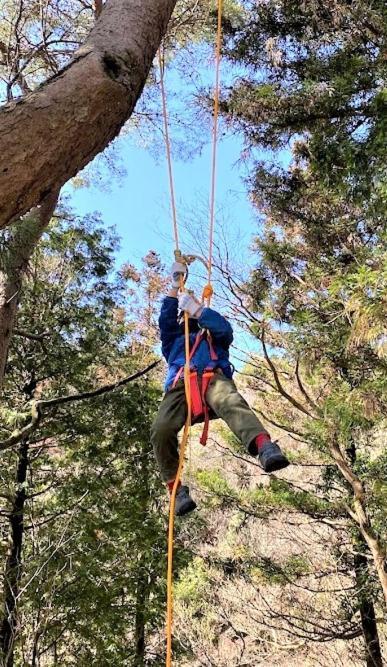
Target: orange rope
{"type": "Point", "coordinates": [171, 526]}
{"type": "Point", "coordinates": [214, 146]}
{"type": "Point", "coordinates": [187, 368]}
{"type": "Point", "coordinates": [207, 293]}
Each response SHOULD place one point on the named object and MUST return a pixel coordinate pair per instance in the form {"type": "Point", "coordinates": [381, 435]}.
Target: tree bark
{"type": "Point", "coordinates": [142, 599]}
{"type": "Point", "coordinates": [360, 516]}
{"type": "Point", "coordinates": [13, 565]}
{"type": "Point", "coordinates": [49, 135]}
{"type": "Point", "coordinates": [143, 583]}
{"type": "Point", "coordinates": [373, 655]}
{"type": "Point", "coordinates": [14, 259]}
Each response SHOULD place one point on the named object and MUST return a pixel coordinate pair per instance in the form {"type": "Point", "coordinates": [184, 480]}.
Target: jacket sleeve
{"type": "Point", "coordinates": [218, 326]}
{"type": "Point", "coordinates": [169, 326]}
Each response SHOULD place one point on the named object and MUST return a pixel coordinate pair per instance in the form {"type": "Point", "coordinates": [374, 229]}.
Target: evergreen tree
{"type": "Point", "coordinates": [85, 565]}
{"type": "Point", "coordinates": [314, 82]}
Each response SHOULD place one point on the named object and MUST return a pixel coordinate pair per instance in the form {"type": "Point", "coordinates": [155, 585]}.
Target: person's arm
{"type": "Point", "coordinates": [168, 319]}
{"type": "Point", "coordinates": [217, 325]}
{"type": "Point", "coordinates": [208, 318]}
{"type": "Point", "coordinates": [168, 322]}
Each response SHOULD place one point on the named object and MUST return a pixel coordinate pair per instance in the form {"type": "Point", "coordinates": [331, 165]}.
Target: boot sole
{"type": "Point", "coordinates": [276, 463]}
{"type": "Point", "coordinates": [186, 508]}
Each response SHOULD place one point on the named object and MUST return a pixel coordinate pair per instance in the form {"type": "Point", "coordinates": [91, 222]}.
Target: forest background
{"type": "Point", "coordinates": [286, 569]}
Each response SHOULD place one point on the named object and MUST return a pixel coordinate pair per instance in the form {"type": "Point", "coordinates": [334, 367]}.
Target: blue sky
{"type": "Point", "coordinates": [138, 204]}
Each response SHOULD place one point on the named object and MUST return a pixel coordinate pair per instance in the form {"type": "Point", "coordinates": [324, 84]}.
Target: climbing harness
{"type": "Point", "coordinates": [195, 395]}
{"type": "Point", "coordinates": [199, 383]}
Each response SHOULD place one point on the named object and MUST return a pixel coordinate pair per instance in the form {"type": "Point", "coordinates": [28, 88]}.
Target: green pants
{"type": "Point", "coordinates": [224, 400]}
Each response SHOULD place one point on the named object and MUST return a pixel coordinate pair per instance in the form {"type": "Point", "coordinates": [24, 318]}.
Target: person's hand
{"type": "Point", "coordinates": [190, 305]}
{"type": "Point", "coordinates": [178, 271]}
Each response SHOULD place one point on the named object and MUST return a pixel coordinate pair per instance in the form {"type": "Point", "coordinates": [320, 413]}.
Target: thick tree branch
{"type": "Point", "coordinates": [105, 389]}
{"type": "Point", "coordinates": [359, 515]}
{"type": "Point", "coordinates": [38, 407]}
{"type": "Point", "coordinates": [31, 336]}
{"type": "Point", "coordinates": [49, 135]}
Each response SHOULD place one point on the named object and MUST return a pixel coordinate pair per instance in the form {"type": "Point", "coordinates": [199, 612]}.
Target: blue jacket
{"type": "Point", "coordinates": [172, 340]}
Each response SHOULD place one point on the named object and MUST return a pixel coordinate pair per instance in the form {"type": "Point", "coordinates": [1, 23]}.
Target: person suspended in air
{"type": "Point", "coordinates": [213, 392]}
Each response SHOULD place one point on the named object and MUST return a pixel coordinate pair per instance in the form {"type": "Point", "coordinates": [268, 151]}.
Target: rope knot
{"type": "Point", "coordinates": [208, 291]}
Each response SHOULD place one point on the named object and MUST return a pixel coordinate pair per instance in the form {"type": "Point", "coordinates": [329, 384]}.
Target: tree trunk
{"type": "Point", "coordinates": [20, 245]}
{"type": "Point", "coordinates": [9, 290]}
{"type": "Point", "coordinates": [48, 136]}
{"type": "Point", "coordinates": [13, 565]}
{"type": "Point", "coordinates": [142, 598]}
{"type": "Point", "coordinates": [143, 584]}
{"type": "Point", "coordinates": [360, 516]}
{"type": "Point", "coordinates": [367, 612]}
{"type": "Point", "coordinates": [369, 626]}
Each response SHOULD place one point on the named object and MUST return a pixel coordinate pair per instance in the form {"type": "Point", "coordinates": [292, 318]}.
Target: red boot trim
{"type": "Point", "coordinates": [261, 440]}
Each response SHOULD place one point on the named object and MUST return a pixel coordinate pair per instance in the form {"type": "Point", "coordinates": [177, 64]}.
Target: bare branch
{"type": "Point", "coordinates": [97, 392]}
{"type": "Point", "coordinates": [302, 388]}
{"type": "Point", "coordinates": [287, 429]}
{"type": "Point", "coordinates": [31, 336]}
{"type": "Point", "coordinates": [360, 517]}
{"type": "Point", "coordinates": [37, 407]}
{"type": "Point", "coordinates": [279, 384]}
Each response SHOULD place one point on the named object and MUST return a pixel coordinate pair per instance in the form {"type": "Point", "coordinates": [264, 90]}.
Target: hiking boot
{"type": "Point", "coordinates": [184, 503]}
{"type": "Point", "coordinates": [271, 457]}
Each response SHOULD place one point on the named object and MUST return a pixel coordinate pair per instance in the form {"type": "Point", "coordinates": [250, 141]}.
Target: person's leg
{"type": "Point", "coordinates": [225, 400]}
{"type": "Point", "coordinates": [169, 420]}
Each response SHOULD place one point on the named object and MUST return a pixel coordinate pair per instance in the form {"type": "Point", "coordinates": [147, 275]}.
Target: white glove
{"type": "Point", "coordinates": [178, 270]}
{"type": "Point", "coordinates": [190, 305]}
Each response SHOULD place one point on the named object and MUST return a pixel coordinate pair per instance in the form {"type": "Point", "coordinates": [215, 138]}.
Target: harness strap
{"type": "Point", "coordinates": [198, 340]}
{"type": "Point", "coordinates": [198, 399]}
{"type": "Point", "coordinates": [213, 355]}
{"type": "Point", "coordinates": [198, 396]}
{"type": "Point", "coordinates": [206, 379]}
